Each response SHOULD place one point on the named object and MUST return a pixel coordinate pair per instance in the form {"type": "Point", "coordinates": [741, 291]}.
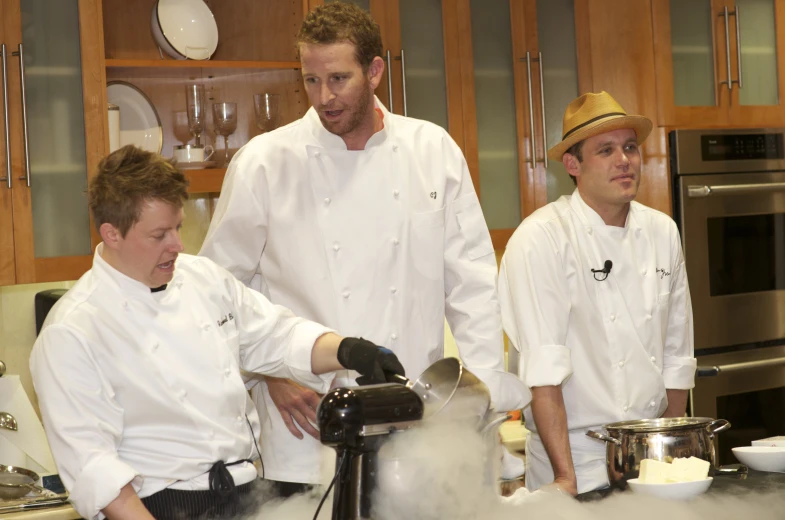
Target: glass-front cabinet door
{"type": "Point", "coordinates": [51, 148]}
{"type": "Point", "coordinates": [758, 62]}
{"type": "Point", "coordinates": [7, 263]}
{"type": "Point", "coordinates": [720, 62]}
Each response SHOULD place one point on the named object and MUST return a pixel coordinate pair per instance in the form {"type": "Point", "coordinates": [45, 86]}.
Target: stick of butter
{"type": "Point", "coordinates": [654, 472]}
{"type": "Point", "coordinates": [688, 470]}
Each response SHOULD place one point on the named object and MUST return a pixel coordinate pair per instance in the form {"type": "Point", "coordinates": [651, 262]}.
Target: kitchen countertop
{"type": "Point", "coordinates": [755, 481]}
{"type": "Point", "coordinates": [65, 512]}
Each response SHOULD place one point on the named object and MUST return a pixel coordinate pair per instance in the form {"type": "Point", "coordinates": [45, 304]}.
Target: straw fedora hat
{"type": "Point", "coordinates": [593, 114]}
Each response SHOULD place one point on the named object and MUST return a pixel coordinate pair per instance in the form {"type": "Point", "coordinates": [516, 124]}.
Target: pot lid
{"type": "Point", "coordinates": [658, 425]}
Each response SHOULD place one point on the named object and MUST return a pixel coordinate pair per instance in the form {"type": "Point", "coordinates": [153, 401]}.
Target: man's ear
{"type": "Point", "coordinates": [110, 235]}
{"type": "Point", "coordinates": [375, 71]}
{"type": "Point", "coordinates": [571, 164]}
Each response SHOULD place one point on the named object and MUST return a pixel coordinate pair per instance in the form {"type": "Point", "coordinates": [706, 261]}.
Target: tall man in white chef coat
{"type": "Point", "coordinates": [594, 294]}
{"type": "Point", "coordinates": [137, 368]}
{"type": "Point", "coordinates": [363, 220]}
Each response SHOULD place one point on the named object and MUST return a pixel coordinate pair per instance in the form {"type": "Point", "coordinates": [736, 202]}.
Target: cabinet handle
{"type": "Point", "coordinates": [389, 82]}
{"type": "Point", "coordinates": [21, 54]}
{"type": "Point", "coordinates": [738, 44]}
{"type": "Point", "coordinates": [7, 177]}
{"type": "Point", "coordinates": [729, 82]}
{"type": "Point", "coordinates": [403, 83]}
{"type": "Point", "coordinates": [542, 109]}
{"type": "Point", "coordinates": [531, 110]}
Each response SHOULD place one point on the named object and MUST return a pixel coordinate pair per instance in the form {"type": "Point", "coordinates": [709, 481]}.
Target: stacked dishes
{"type": "Point", "coordinates": [184, 29]}
{"type": "Point", "coordinates": [762, 458]}
{"type": "Point", "coordinates": [139, 121]}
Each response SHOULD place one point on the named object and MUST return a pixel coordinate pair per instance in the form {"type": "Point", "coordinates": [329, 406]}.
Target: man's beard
{"type": "Point", "coordinates": [356, 117]}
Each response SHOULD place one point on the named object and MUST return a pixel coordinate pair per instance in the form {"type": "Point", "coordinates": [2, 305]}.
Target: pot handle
{"type": "Point", "coordinates": [717, 426]}
{"type": "Point", "coordinates": [603, 437]}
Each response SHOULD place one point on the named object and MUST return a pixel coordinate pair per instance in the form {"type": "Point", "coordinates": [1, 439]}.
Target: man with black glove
{"type": "Point", "coordinates": [138, 367]}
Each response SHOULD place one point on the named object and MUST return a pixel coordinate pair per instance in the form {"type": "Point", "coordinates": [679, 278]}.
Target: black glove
{"type": "Point", "coordinates": [371, 361]}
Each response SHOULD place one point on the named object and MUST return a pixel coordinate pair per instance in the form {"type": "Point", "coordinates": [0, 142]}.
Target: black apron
{"type": "Point", "coordinates": [223, 500]}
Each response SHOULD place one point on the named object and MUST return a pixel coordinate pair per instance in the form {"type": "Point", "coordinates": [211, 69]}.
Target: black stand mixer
{"type": "Point", "coordinates": [356, 421]}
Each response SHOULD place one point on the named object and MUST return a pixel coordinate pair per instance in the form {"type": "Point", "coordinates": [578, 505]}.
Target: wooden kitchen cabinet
{"type": "Point", "coordinates": [56, 133]}
{"type": "Point", "coordinates": [717, 69]}
{"type": "Point", "coordinates": [256, 53]}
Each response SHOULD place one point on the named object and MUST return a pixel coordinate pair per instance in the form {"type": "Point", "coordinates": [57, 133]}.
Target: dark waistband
{"type": "Point", "coordinates": [180, 504]}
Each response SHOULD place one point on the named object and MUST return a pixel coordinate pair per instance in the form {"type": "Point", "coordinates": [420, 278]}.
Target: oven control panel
{"type": "Point", "coordinates": [736, 147]}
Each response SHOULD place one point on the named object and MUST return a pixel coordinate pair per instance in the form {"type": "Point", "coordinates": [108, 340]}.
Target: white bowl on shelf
{"type": "Point", "coordinates": [184, 29]}
{"type": "Point", "coordinates": [671, 490]}
{"type": "Point", "coordinates": [761, 458]}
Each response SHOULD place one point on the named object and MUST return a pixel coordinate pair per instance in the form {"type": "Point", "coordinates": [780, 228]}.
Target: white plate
{"type": "Point", "coordinates": [203, 165]}
{"type": "Point", "coordinates": [761, 458]}
{"type": "Point", "coordinates": [139, 122]}
{"type": "Point", "coordinates": [185, 29]}
{"type": "Point", "coordinates": [672, 490]}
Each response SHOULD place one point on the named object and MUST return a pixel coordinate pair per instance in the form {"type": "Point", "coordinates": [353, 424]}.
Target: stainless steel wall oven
{"type": "Point", "coordinates": [729, 203]}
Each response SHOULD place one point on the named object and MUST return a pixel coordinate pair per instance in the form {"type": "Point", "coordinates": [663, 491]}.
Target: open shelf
{"type": "Point", "coordinates": [116, 68]}
{"type": "Point", "coordinates": [205, 181]}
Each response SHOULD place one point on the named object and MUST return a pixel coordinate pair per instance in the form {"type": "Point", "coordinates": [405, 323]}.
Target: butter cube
{"type": "Point", "coordinates": [654, 472]}
{"type": "Point", "coordinates": [688, 470]}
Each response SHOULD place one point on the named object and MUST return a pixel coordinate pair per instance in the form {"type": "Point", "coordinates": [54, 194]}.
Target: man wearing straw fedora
{"type": "Point", "coordinates": [594, 295]}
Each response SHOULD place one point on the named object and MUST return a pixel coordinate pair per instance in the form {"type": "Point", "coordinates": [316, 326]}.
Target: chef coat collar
{"type": "Point", "coordinates": [593, 219]}
{"type": "Point", "coordinates": [328, 139]}
{"type": "Point", "coordinates": [120, 282]}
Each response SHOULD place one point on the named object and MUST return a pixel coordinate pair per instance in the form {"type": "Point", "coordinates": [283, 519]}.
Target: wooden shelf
{"type": "Point", "coordinates": [205, 181]}
{"type": "Point", "coordinates": [117, 68]}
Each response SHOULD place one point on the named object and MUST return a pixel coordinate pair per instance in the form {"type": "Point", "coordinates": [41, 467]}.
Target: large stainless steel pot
{"type": "Point", "coordinates": [629, 442]}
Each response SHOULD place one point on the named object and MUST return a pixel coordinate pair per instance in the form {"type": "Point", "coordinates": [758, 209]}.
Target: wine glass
{"type": "Point", "coordinates": [194, 96]}
{"type": "Point", "coordinates": [268, 111]}
{"type": "Point", "coordinates": [225, 120]}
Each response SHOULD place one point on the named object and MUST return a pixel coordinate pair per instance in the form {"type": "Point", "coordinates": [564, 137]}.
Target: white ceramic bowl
{"type": "Point", "coordinates": [673, 490]}
{"type": "Point", "coordinates": [761, 458]}
{"type": "Point", "coordinates": [184, 29]}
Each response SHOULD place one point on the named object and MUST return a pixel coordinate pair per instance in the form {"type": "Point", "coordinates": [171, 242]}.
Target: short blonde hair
{"type": "Point", "coordinates": [126, 179]}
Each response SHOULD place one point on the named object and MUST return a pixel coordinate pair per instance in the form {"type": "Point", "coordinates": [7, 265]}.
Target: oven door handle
{"type": "Point", "coordinates": [730, 189]}
{"type": "Point", "coordinates": [709, 371]}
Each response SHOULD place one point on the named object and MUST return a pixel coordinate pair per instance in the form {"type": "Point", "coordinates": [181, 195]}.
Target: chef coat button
{"type": "Point", "coordinates": [621, 364]}
{"type": "Point", "coordinates": [327, 201]}
{"type": "Point", "coordinates": [239, 418]}
{"type": "Point", "coordinates": [648, 317]}
{"type": "Point", "coordinates": [182, 395]}
{"type": "Point", "coordinates": [643, 273]}
{"type": "Point", "coordinates": [613, 317]}
{"type": "Point", "coordinates": [396, 193]}
{"type": "Point", "coordinates": [589, 231]}
{"type": "Point", "coordinates": [336, 247]}
{"type": "Point", "coordinates": [155, 347]}
{"type": "Point", "coordinates": [125, 305]}
{"type": "Point", "coordinates": [317, 154]}
{"type": "Point", "coordinates": [393, 290]}
{"type": "Point", "coordinates": [652, 404]}
{"type": "Point", "coordinates": [393, 336]}
{"type": "Point", "coordinates": [395, 241]}
{"type": "Point", "coordinates": [346, 294]}
{"type": "Point", "coordinates": [395, 148]}
{"type": "Point", "coordinates": [211, 433]}
{"type": "Point", "coordinates": [227, 372]}
{"type": "Point", "coordinates": [205, 327]}
{"type": "Point", "coordinates": [626, 407]}
{"type": "Point", "coordinates": [653, 359]}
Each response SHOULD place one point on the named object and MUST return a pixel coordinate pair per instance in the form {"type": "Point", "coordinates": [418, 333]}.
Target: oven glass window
{"type": "Point", "coordinates": [746, 254]}
{"type": "Point", "coordinates": [753, 416]}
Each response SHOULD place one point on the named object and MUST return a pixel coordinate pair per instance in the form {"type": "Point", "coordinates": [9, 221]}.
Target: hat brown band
{"type": "Point", "coordinates": [590, 121]}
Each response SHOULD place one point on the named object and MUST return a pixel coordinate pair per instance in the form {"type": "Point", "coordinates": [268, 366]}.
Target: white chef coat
{"type": "Point", "coordinates": [146, 388]}
{"type": "Point", "coordinates": [380, 243]}
{"type": "Point", "coordinates": [615, 345]}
